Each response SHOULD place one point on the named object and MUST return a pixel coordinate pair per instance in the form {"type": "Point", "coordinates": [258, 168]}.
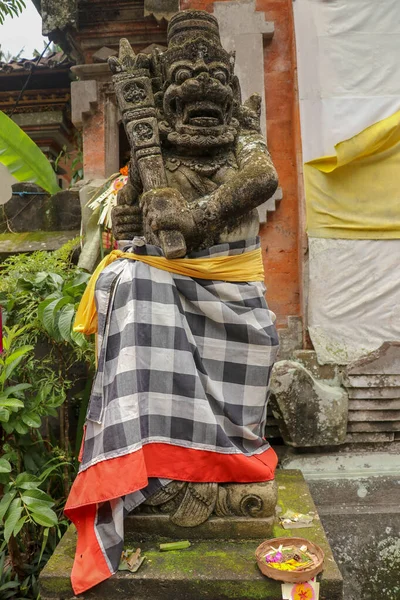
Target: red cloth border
{"type": "Point", "coordinates": [123, 475]}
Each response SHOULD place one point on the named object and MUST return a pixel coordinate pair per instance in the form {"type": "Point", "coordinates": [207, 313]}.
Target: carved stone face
{"type": "Point", "coordinates": [199, 91]}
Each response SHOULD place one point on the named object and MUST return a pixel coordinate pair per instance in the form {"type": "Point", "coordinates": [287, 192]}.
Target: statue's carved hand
{"type": "Point", "coordinates": [127, 216]}
{"type": "Point", "coordinates": [166, 209]}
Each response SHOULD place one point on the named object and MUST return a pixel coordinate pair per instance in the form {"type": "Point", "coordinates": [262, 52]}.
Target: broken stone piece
{"type": "Point", "coordinates": [309, 412]}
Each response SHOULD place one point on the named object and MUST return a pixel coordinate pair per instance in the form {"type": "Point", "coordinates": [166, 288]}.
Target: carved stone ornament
{"type": "Point", "coordinates": [143, 131]}
{"type": "Point", "coordinates": [190, 504]}
{"type": "Point", "coordinates": [133, 92]}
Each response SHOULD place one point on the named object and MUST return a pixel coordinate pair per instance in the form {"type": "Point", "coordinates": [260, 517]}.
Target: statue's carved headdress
{"type": "Point", "coordinates": [194, 35]}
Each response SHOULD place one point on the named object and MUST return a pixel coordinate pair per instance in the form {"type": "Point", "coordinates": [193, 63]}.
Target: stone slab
{"type": "Point", "coordinates": [356, 416]}
{"type": "Point", "coordinates": [374, 405]}
{"type": "Point", "coordinates": [384, 361]}
{"type": "Point", "coordinates": [373, 426]}
{"type": "Point", "coordinates": [15, 243]}
{"type": "Point", "coordinates": [371, 437]}
{"type": "Point", "coordinates": [362, 519]}
{"type": "Point", "coordinates": [208, 570]}
{"type": "Point", "coordinates": [232, 528]}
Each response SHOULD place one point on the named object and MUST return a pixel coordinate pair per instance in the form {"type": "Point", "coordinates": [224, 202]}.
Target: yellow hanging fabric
{"type": "Point", "coordinates": [356, 194]}
{"type": "Point", "coordinates": [240, 267]}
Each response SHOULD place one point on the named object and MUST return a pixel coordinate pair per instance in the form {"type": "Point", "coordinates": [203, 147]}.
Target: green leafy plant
{"type": "Point", "coordinates": [45, 375]}
{"type": "Point", "coordinates": [23, 158]}
{"type": "Point", "coordinates": [57, 311]}
{"type": "Point", "coordinates": [11, 8]}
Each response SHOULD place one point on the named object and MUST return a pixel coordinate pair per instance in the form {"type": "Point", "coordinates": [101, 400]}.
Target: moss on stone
{"type": "Point", "coordinates": [12, 243]}
{"type": "Point", "coordinates": [208, 569]}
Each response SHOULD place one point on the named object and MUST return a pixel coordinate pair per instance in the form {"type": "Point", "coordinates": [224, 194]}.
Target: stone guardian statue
{"type": "Point", "coordinates": [186, 342]}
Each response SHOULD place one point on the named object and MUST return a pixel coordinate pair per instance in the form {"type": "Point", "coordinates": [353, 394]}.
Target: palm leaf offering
{"type": "Point", "coordinates": [105, 198]}
{"type": "Point", "coordinates": [23, 158]}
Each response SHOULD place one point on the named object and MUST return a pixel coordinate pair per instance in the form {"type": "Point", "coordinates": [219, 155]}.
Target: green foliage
{"type": "Point", "coordinates": [23, 158]}
{"type": "Point", "coordinates": [57, 311]}
{"type": "Point", "coordinates": [40, 369]}
{"type": "Point", "coordinates": [77, 159]}
{"type": "Point", "coordinates": [10, 8]}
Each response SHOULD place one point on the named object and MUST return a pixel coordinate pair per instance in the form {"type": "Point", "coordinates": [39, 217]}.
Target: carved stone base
{"type": "Point", "coordinates": [191, 504]}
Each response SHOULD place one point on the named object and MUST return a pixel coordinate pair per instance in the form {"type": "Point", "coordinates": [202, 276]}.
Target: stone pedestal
{"type": "Point", "coordinates": [219, 565]}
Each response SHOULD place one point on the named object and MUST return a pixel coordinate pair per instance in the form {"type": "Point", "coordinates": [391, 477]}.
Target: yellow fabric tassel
{"type": "Point", "coordinates": [240, 267]}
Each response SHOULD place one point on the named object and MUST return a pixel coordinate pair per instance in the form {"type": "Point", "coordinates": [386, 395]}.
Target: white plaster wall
{"type": "Point", "coordinates": [6, 181]}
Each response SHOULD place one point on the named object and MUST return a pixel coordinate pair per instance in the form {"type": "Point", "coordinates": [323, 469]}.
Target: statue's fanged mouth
{"type": "Point", "coordinates": [202, 114]}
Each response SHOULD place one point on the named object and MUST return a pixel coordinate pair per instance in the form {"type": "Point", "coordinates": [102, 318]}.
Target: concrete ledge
{"type": "Point", "coordinates": [228, 528]}
{"type": "Point", "coordinates": [31, 241]}
{"type": "Point", "coordinates": [210, 569]}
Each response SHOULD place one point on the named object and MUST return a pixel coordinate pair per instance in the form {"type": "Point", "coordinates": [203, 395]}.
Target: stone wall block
{"type": "Point", "coordinates": [309, 412]}
{"type": "Point", "coordinates": [84, 100]}
{"type": "Point", "coordinates": [373, 384]}
{"type": "Point", "coordinates": [30, 209]}
{"type": "Point", "coordinates": [290, 337]}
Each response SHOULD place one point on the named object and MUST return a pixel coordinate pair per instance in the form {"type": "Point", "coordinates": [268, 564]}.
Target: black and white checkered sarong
{"type": "Point", "coordinates": [181, 361]}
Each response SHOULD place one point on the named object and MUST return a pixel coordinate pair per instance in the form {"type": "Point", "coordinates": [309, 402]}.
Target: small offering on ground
{"type": "Point", "coordinates": [174, 546]}
{"type": "Point", "coordinates": [131, 560]}
{"type": "Point", "coordinates": [292, 560]}
{"type": "Point", "coordinates": [289, 558]}
{"type": "Point", "coordinates": [296, 520]}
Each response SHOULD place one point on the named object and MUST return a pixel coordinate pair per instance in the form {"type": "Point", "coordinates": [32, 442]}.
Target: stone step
{"type": "Point", "coordinates": [362, 519]}
{"type": "Point", "coordinates": [227, 528]}
{"type": "Point", "coordinates": [211, 569]}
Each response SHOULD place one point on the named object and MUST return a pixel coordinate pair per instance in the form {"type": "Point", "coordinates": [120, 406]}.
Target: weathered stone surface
{"type": "Point", "coordinates": [373, 438]}
{"type": "Point", "coordinates": [14, 243]}
{"type": "Point", "coordinates": [103, 54]}
{"type": "Point", "coordinates": [373, 383]}
{"type": "Point", "coordinates": [309, 359]}
{"type": "Point", "coordinates": [384, 361]}
{"type": "Point", "coordinates": [310, 412]}
{"type": "Point", "coordinates": [361, 516]}
{"type": "Point", "coordinates": [364, 426]}
{"type": "Point", "coordinates": [191, 504]}
{"type": "Point", "coordinates": [32, 209]}
{"type": "Point", "coordinates": [84, 100]}
{"type": "Point", "coordinates": [24, 212]}
{"type": "Point", "coordinates": [161, 9]}
{"type": "Point", "coordinates": [290, 338]}
{"type": "Point", "coordinates": [375, 415]}
{"type": "Point", "coordinates": [153, 526]}
{"type": "Point", "coordinates": [58, 15]}
{"type": "Point", "coordinates": [66, 210]}
{"type": "Point", "coordinates": [212, 570]}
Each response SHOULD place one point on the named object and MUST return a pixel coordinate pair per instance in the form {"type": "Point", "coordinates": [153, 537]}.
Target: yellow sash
{"type": "Point", "coordinates": [239, 267]}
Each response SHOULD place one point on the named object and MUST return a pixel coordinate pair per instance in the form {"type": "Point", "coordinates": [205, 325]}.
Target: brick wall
{"type": "Point", "coordinates": [280, 236]}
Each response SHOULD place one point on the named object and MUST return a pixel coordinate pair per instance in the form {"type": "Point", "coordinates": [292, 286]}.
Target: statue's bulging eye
{"type": "Point", "coordinates": [220, 75]}
{"type": "Point", "coordinates": [182, 74]}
